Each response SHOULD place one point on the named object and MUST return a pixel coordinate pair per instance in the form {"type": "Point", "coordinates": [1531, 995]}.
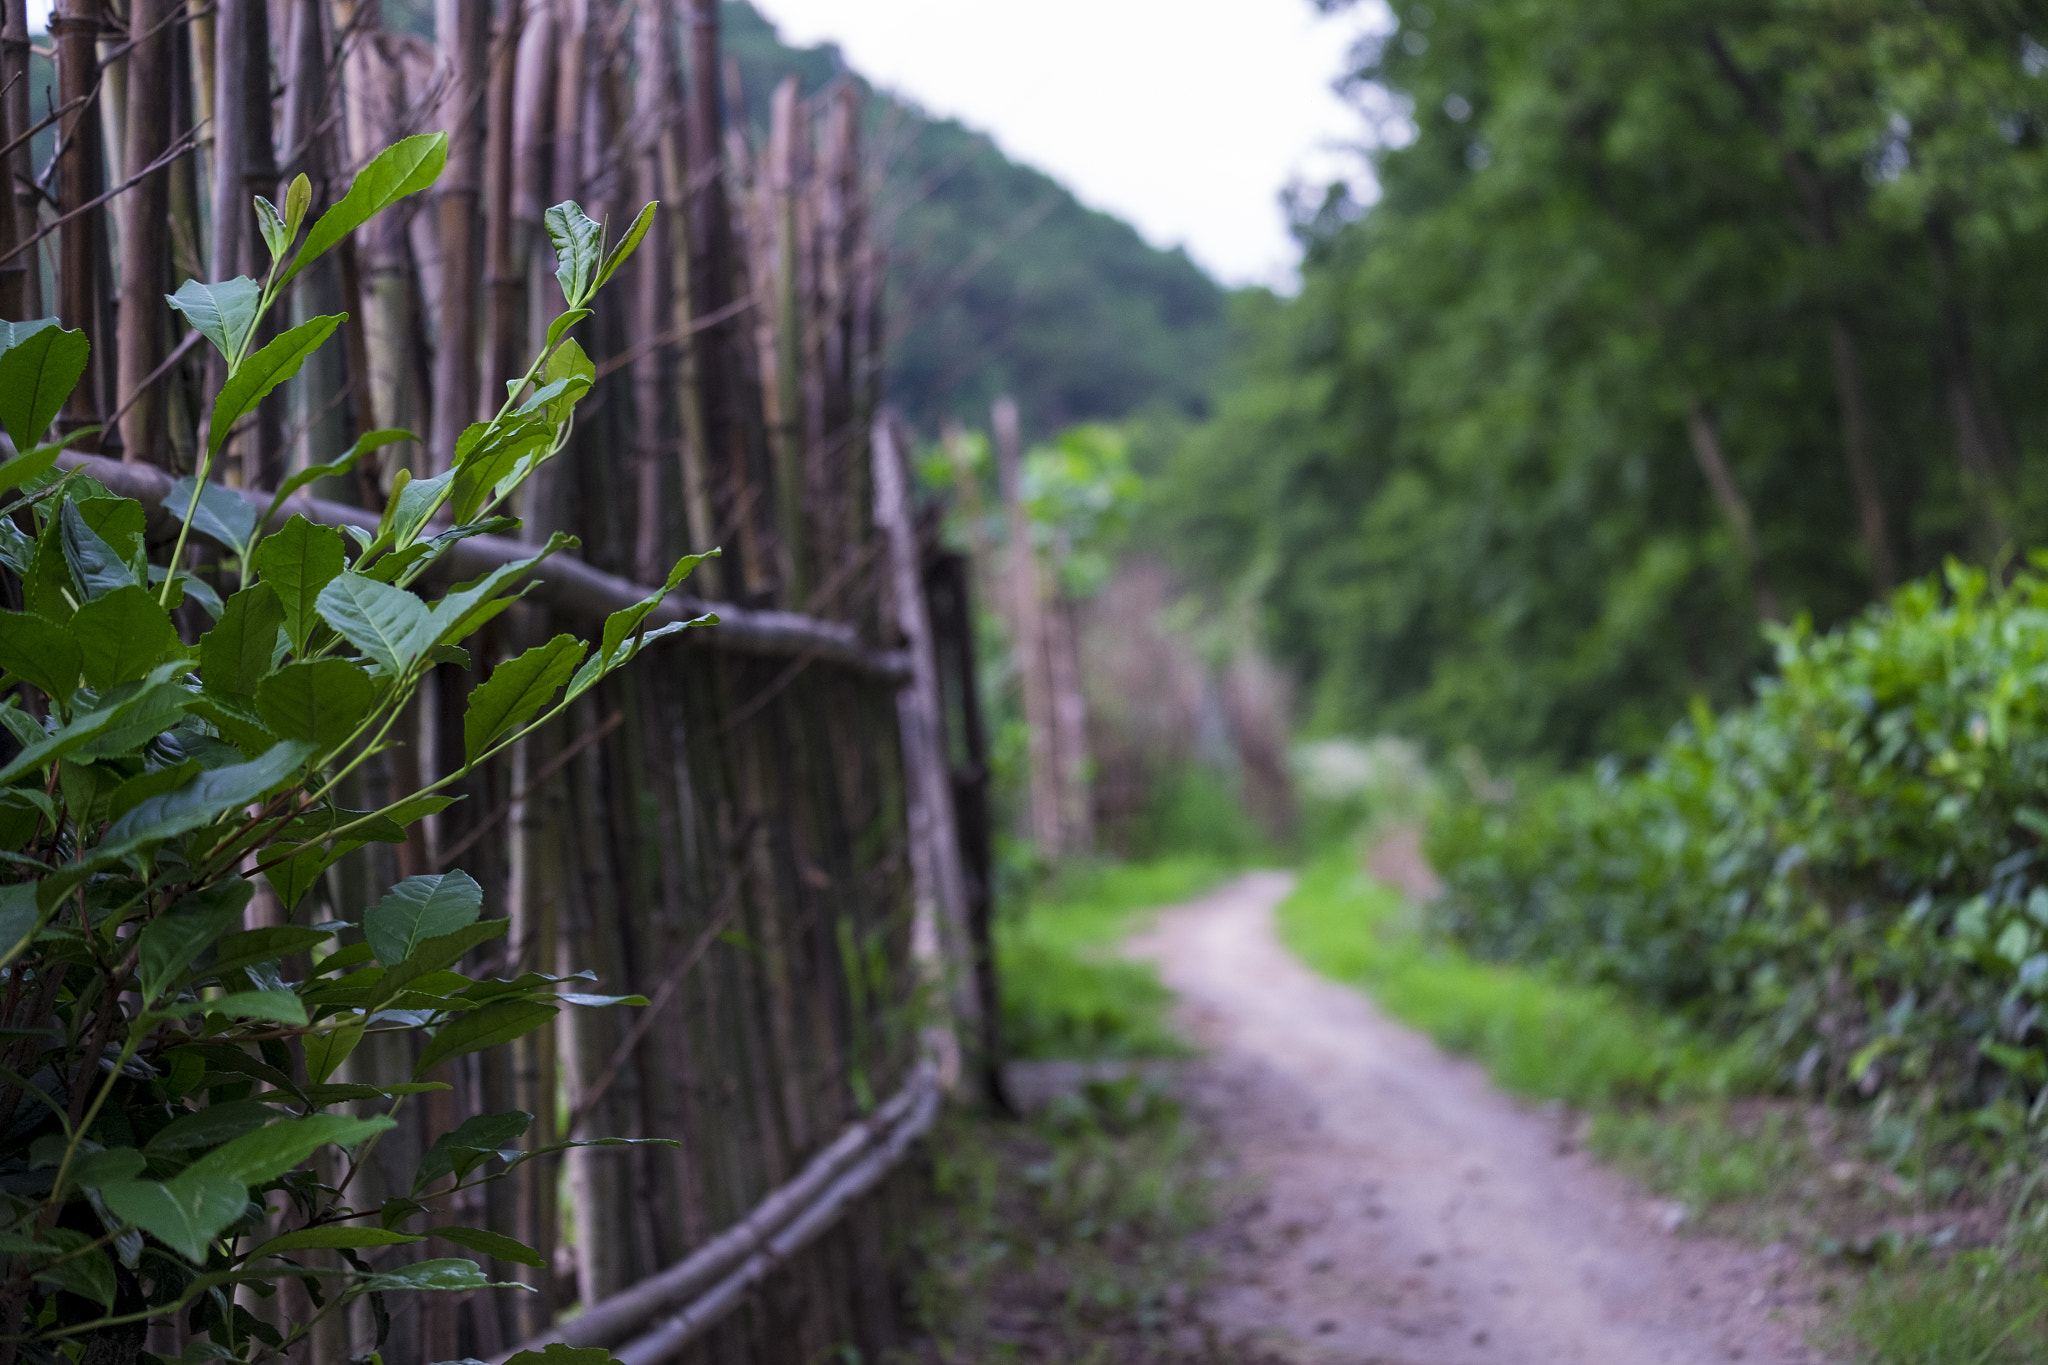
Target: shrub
{"type": "Point", "coordinates": [1852, 864]}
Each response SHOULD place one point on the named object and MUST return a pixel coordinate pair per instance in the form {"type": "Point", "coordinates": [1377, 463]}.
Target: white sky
{"type": "Point", "coordinates": [1186, 117]}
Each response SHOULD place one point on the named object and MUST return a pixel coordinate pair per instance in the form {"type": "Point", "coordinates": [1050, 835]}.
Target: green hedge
{"type": "Point", "coordinates": [1851, 866]}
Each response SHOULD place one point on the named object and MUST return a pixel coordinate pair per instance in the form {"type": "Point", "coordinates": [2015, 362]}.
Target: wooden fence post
{"type": "Point", "coordinates": [942, 935]}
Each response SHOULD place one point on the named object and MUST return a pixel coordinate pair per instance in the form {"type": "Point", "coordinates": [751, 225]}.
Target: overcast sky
{"type": "Point", "coordinates": [1187, 117]}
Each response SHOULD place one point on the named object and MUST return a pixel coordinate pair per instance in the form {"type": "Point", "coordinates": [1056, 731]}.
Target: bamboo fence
{"type": "Point", "coordinates": [777, 830]}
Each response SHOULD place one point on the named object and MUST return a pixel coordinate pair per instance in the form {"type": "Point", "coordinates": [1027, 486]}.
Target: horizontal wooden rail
{"type": "Point", "coordinates": [688, 1297]}
{"type": "Point", "coordinates": [564, 583]}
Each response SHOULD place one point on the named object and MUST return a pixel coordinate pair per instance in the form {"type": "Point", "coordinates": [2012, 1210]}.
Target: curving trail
{"type": "Point", "coordinates": [1410, 1214]}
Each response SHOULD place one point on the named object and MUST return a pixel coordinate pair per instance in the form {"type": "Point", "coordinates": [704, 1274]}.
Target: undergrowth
{"type": "Point", "coordinates": [1066, 992]}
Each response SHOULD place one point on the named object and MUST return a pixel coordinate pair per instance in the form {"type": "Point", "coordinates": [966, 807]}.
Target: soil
{"type": "Point", "coordinates": [1406, 1213]}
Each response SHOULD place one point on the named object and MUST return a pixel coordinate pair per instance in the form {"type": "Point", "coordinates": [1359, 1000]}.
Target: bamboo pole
{"type": "Point", "coordinates": [647, 303]}
{"type": "Point", "coordinates": [789, 134]}
{"type": "Point", "coordinates": [504, 280]}
{"type": "Point", "coordinates": [463, 27]}
{"type": "Point", "coordinates": [74, 26]}
{"type": "Point", "coordinates": [145, 247]}
{"type": "Point", "coordinates": [1027, 635]}
{"type": "Point", "coordinates": [21, 283]}
{"type": "Point", "coordinates": [1070, 726]}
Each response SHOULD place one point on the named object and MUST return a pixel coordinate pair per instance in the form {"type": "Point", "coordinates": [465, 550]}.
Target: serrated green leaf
{"type": "Point", "coordinates": [623, 252]}
{"type": "Point", "coordinates": [39, 652]}
{"type": "Point", "coordinates": [282, 1007]}
{"type": "Point", "coordinates": [388, 624]}
{"type": "Point", "coordinates": [309, 1239]}
{"type": "Point", "coordinates": [271, 222]}
{"type": "Point", "coordinates": [297, 561]}
{"type": "Point", "coordinates": [421, 908]}
{"type": "Point", "coordinates": [97, 566]}
{"type": "Point", "coordinates": [201, 801]}
{"type": "Point", "coordinates": [325, 1052]}
{"type": "Point", "coordinates": [516, 690]}
{"type": "Point", "coordinates": [298, 197]}
{"type": "Point", "coordinates": [269, 1152]}
{"type": "Point", "coordinates": [367, 442]}
{"type": "Point", "coordinates": [405, 167]}
{"type": "Point", "coordinates": [40, 363]}
{"type": "Point", "coordinates": [24, 467]}
{"type": "Point", "coordinates": [185, 1213]}
{"type": "Point", "coordinates": [174, 940]}
{"type": "Point", "coordinates": [235, 656]}
{"type": "Point", "coordinates": [321, 701]}
{"type": "Point", "coordinates": [493, 1244]}
{"type": "Point", "coordinates": [468, 605]}
{"type": "Point", "coordinates": [476, 1140]}
{"type": "Point", "coordinates": [211, 1126]}
{"type": "Point", "coordinates": [449, 1274]}
{"type": "Point", "coordinates": [221, 514]}
{"type": "Point", "coordinates": [223, 313]}
{"type": "Point", "coordinates": [487, 1027]}
{"type": "Point", "coordinates": [561, 1353]}
{"type": "Point", "coordinates": [579, 249]}
{"type": "Point", "coordinates": [253, 380]}
{"type": "Point", "coordinates": [121, 636]}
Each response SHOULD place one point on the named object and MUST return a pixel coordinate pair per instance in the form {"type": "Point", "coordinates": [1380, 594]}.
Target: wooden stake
{"type": "Point", "coordinates": [21, 283]}
{"type": "Point", "coordinates": [1027, 636]}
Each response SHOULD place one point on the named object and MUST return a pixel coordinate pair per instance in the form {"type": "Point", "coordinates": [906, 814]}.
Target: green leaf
{"type": "Point", "coordinates": [420, 908]}
{"type": "Point", "coordinates": [185, 1214]}
{"type": "Point", "coordinates": [447, 1273]}
{"type": "Point", "coordinates": [624, 250]}
{"type": "Point", "coordinates": [626, 620]}
{"type": "Point", "coordinates": [297, 561]}
{"type": "Point", "coordinates": [24, 467]}
{"type": "Point", "coordinates": [561, 1353]}
{"type": "Point", "coordinates": [571, 368]}
{"type": "Point", "coordinates": [174, 940]}
{"type": "Point", "coordinates": [469, 605]}
{"type": "Point", "coordinates": [223, 313]}
{"type": "Point", "coordinates": [558, 329]}
{"type": "Point", "coordinates": [89, 1274]}
{"type": "Point", "coordinates": [268, 944]}
{"type": "Point", "coordinates": [39, 652]}
{"type": "Point", "coordinates": [487, 1027]}
{"type": "Point", "coordinates": [116, 727]}
{"type": "Point", "coordinates": [206, 798]}
{"type": "Point", "coordinates": [434, 954]}
{"type": "Point", "coordinates": [269, 1152]}
{"type": "Point", "coordinates": [369, 441]}
{"type": "Point", "coordinates": [298, 197]}
{"type": "Point", "coordinates": [264, 371]}
{"type": "Point", "coordinates": [492, 1244]}
{"type": "Point", "coordinates": [40, 363]}
{"type": "Point", "coordinates": [516, 690]}
{"type": "Point", "coordinates": [151, 782]}
{"type": "Point", "coordinates": [282, 1007]}
{"type": "Point", "coordinates": [388, 624]}
{"type": "Point", "coordinates": [120, 637]}
{"type": "Point", "coordinates": [405, 167]}
{"type": "Point", "coordinates": [309, 1239]}
{"type": "Point", "coordinates": [579, 249]}
{"type": "Point", "coordinates": [211, 1126]}
{"type": "Point", "coordinates": [20, 916]}
{"type": "Point", "coordinates": [236, 655]}
{"type": "Point", "coordinates": [492, 458]}
{"type": "Point", "coordinates": [98, 567]}
{"type": "Point", "coordinates": [275, 235]}
{"type": "Point", "coordinates": [413, 503]}
{"type": "Point", "coordinates": [222, 514]}
{"type": "Point", "coordinates": [327, 1051]}
{"type": "Point", "coordinates": [321, 701]}
{"type": "Point", "coordinates": [476, 1140]}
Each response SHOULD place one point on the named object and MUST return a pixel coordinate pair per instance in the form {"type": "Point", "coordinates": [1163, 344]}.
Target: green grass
{"type": "Point", "coordinates": [1066, 993]}
{"type": "Point", "coordinates": [1975, 1308]}
{"type": "Point", "coordinates": [1536, 1036]}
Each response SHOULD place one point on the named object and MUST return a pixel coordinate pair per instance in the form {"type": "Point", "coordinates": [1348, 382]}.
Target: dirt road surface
{"type": "Point", "coordinates": [1409, 1214]}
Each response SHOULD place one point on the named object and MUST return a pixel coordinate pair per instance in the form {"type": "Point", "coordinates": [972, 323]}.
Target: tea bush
{"type": "Point", "coordinates": [1850, 867]}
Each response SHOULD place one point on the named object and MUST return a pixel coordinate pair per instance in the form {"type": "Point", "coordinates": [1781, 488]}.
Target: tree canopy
{"type": "Point", "coordinates": [1670, 317]}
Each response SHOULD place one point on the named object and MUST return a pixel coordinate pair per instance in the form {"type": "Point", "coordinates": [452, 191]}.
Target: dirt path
{"type": "Point", "coordinates": [1409, 1214]}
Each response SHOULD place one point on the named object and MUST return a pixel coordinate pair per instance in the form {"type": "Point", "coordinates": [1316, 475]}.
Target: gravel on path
{"type": "Point", "coordinates": [1407, 1213]}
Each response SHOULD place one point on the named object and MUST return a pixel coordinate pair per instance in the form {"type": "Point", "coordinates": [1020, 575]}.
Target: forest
{"type": "Point", "coordinates": [655, 705]}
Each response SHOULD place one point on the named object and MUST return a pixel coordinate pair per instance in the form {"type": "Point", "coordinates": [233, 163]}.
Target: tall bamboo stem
{"type": "Point", "coordinates": [145, 255]}
{"type": "Point", "coordinates": [464, 29]}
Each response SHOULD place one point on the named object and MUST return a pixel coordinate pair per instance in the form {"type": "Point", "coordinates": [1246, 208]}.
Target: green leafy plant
{"type": "Point", "coordinates": [1851, 866]}
{"type": "Point", "coordinates": [166, 1067]}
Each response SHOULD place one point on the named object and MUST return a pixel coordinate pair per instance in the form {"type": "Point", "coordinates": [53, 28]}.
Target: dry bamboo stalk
{"type": "Point", "coordinates": [463, 27]}
{"type": "Point", "coordinates": [21, 287]}
{"type": "Point", "coordinates": [504, 280]}
{"type": "Point", "coordinates": [145, 210]}
{"type": "Point", "coordinates": [781, 359]}
{"type": "Point", "coordinates": [74, 25]}
{"type": "Point", "coordinates": [1070, 727]}
{"type": "Point", "coordinates": [1027, 635]}
{"type": "Point", "coordinates": [648, 307]}
{"type": "Point", "coordinates": [942, 936]}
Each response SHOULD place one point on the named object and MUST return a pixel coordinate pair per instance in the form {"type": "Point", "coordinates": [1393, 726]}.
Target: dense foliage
{"type": "Point", "coordinates": [1853, 864]}
{"type": "Point", "coordinates": [1470, 468]}
{"type": "Point", "coordinates": [181, 1006]}
{"type": "Point", "coordinates": [999, 280]}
